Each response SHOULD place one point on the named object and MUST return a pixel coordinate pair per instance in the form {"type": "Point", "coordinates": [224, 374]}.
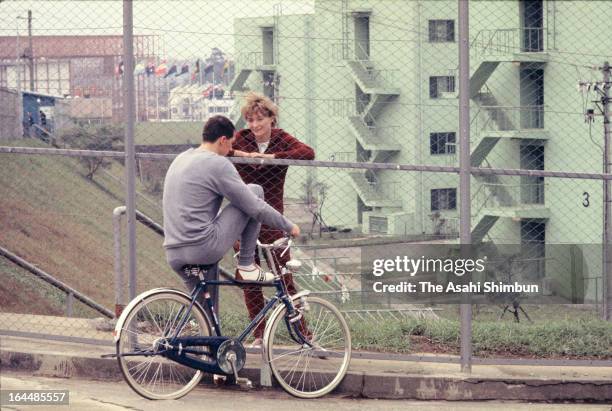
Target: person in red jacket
{"type": "Point", "coordinates": [263, 140]}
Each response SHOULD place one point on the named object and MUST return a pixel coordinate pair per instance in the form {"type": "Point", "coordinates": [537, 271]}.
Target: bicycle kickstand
{"type": "Point", "coordinates": [239, 380]}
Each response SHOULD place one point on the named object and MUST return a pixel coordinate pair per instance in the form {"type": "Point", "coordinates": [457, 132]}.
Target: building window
{"type": "Point", "coordinates": [441, 85]}
{"type": "Point", "coordinates": [442, 143]}
{"type": "Point", "coordinates": [441, 31]}
{"type": "Point", "coordinates": [443, 199]}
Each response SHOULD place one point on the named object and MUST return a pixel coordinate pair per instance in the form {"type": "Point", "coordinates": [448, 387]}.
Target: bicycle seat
{"type": "Point", "coordinates": [195, 269]}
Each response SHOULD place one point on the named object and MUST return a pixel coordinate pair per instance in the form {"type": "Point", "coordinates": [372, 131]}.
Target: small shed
{"type": "Point", "coordinates": [39, 110]}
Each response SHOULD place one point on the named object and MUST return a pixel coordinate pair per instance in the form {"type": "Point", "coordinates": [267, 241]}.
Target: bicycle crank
{"type": "Point", "coordinates": [231, 357]}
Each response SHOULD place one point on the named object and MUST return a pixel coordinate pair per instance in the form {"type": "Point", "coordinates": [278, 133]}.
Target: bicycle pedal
{"type": "Point", "coordinates": [244, 382]}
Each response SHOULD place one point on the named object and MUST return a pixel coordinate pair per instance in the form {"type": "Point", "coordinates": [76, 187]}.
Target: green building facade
{"type": "Point", "coordinates": [376, 81]}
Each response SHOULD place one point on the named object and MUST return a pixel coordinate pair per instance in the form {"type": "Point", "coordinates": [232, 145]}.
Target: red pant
{"type": "Point", "coordinates": [253, 295]}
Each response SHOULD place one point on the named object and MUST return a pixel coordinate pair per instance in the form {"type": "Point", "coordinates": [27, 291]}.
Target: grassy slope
{"type": "Point", "coordinates": [55, 218]}
{"type": "Point", "coordinates": [52, 216]}
{"type": "Point", "coordinates": [180, 132]}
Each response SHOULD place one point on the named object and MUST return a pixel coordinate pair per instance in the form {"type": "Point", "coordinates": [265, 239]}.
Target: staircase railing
{"type": "Point", "coordinates": [490, 195]}
{"type": "Point", "coordinates": [508, 41]}
{"type": "Point", "coordinates": [383, 134]}
{"type": "Point", "coordinates": [375, 77]}
{"type": "Point", "coordinates": [343, 156]}
{"type": "Point", "coordinates": [508, 118]}
{"type": "Point", "coordinates": [388, 190]}
{"type": "Point", "coordinates": [250, 59]}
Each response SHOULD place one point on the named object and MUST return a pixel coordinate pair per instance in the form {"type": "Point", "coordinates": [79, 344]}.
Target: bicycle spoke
{"type": "Point", "coordinates": [153, 320]}
{"type": "Point", "coordinates": [149, 324]}
{"type": "Point", "coordinates": [144, 371]}
{"type": "Point", "coordinates": [167, 325]}
{"type": "Point", "coordinates": [177, 321]}
{"type": "Point", "coordinates": [306, 362]}
{"type": "Point", "coordinates": [322, 336]}
{"type": "Point", "coordinates": [310, 371]}
{"type": "Point", "coordinates": [292, 371]}
{"type": "Point", "coordinates": [301, 349]}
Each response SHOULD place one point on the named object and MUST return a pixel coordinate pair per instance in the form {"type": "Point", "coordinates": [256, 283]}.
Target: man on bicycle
{"type": "Point", "coordinates": [196, 232]}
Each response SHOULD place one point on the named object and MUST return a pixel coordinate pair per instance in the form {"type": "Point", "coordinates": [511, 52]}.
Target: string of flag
{"type": "Point", "coordinates": [149, 68]}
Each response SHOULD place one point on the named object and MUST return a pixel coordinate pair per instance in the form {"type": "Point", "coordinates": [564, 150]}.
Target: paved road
{"type": "Point", "coordinates": [87, 395]}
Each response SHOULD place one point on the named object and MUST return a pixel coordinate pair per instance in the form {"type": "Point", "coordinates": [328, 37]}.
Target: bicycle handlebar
{"type": "Point", "coordinates": [285, 242]}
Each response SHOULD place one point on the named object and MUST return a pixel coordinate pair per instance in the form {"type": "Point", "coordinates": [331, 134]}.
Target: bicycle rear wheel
{"type": "Point", "coordinates": [142, 336]}
{"type": "Point", "coordinates": [309, 371]}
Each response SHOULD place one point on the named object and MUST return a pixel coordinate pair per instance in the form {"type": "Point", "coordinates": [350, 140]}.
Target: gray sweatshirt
{"type": "Point", "coordinates": [194, 188]}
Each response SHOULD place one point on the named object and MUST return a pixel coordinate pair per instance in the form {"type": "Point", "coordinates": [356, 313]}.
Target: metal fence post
{"type": "Point", "coordinates": [265, 374]}
{"type": "Point", "coordinates": [119, 280]}
{"type": "Point", "coordinates": [130, 159]}
{"type": "Point", "coordinates": [69, 304]}
{"type": "Point", "coordinates": [464, 171]}
{"type": "Point", "coordinates": [607, 272]}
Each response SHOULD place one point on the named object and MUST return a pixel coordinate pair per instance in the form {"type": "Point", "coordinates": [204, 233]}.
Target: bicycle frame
{"type": "Point", "coordinates": [184, 344]}
{"type": "Point", "coordinates": [281, 295]}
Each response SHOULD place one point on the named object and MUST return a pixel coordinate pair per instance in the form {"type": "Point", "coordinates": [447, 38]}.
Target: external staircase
{"type": "Point", "coordinates": [495, 123]}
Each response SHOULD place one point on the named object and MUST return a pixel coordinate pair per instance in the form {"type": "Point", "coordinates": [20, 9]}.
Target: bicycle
{"type": "Point", "coordinates": [165, 340]}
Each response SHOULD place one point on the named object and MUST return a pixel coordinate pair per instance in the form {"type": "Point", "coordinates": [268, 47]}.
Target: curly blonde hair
{"type": "Point", "coordinates": [258, 103]}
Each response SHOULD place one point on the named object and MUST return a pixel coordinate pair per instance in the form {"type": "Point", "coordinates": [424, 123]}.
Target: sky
{"type": "Point", "coordinates": [187, 28]}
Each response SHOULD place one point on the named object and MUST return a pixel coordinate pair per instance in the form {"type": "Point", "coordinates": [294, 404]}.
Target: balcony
{"type": "Point", "coordinates": [492, 47]}
{"type": "Point", "coordinates": [511, 44]}
{"type": "Point", "coordinates": [380, 141]}
{"type": "Point", "coordinates": [492, 123]}
{"type": "Point", "coordinates": [491, 202]}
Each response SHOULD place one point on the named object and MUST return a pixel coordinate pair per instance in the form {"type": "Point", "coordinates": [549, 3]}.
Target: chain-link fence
{"type": "Point", "coordinates": [357, 139]}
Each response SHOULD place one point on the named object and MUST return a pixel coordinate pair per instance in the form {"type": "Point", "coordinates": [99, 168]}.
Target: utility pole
{"type": "Point", "coordinates": [603, 89]}
{"type": "Point", "coordinates": [30, 50]}
{"type": "Point", "coordinates": [20, 113]}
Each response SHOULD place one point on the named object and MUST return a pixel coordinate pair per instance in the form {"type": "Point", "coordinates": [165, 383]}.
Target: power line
{"type": "Point", "coordinates": [69, 28]}
{"type": "Point", "coordinates": [512, 48]}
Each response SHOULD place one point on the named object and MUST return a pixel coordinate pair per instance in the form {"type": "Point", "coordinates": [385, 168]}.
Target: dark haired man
{"type": "Point", "coordinates": [196, 183]}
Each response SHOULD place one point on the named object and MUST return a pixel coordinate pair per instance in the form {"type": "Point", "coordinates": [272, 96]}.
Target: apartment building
{"type": "Point", "coordinates": [377, 81]}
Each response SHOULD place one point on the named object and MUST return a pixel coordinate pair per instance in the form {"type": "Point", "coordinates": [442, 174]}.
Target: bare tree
{"type": "Point", "coordinates": [104, 137]}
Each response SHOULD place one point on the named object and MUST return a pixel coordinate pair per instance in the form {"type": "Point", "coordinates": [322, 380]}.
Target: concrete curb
{"type": "Point", "coordinates": [368, 385]}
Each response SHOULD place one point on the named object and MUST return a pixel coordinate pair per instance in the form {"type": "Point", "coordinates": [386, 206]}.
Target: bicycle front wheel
{"type": "Point", "coordinates": [309, 370]}
{"type": "Point", "coordinates": [146, 328]}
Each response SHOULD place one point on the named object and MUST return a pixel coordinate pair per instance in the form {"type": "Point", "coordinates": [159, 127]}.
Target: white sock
{"type": "Point", "coordinates": [249, 267]}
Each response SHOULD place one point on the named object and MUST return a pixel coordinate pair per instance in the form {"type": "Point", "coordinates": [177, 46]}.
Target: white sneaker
{"type": "Point", "coordinates": [256, 274]}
